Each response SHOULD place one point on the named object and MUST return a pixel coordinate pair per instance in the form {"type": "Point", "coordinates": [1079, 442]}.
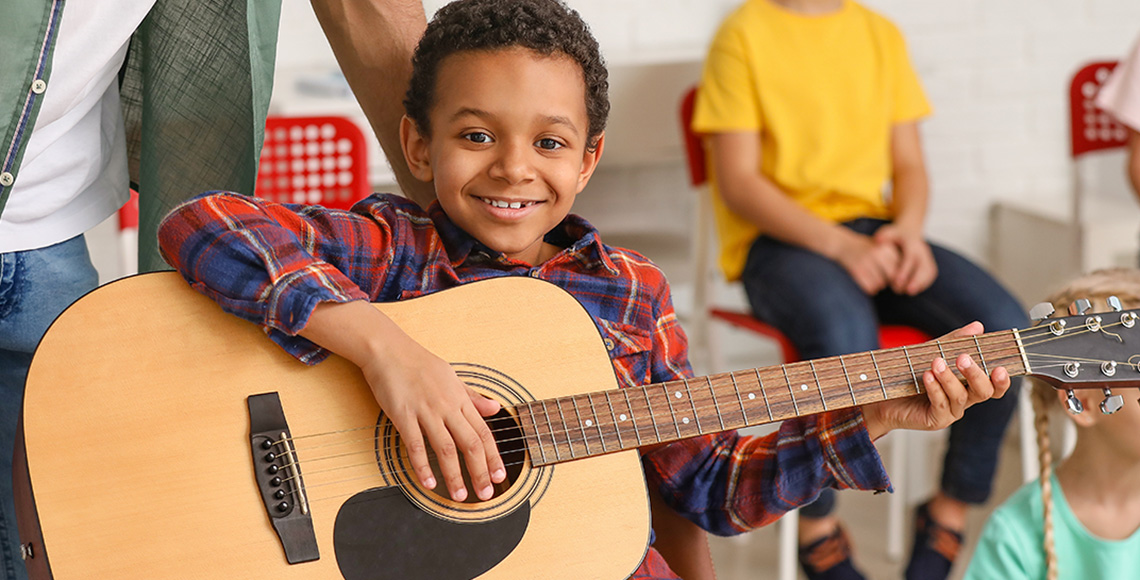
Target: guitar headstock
{"type": "Point", "coordinates": [1085, 350]}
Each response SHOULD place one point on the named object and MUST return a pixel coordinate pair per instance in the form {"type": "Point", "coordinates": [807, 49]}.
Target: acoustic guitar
{"type": "Point", "coordinates": [163, 438]}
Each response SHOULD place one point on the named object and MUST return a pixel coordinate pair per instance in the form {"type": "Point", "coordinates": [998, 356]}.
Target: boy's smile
{"type": "Point", "coordinates": [507, 150]}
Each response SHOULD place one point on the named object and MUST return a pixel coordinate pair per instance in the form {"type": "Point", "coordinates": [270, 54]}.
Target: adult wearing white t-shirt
{"type": "Point", "coordinates": [1120, 97]}
{"type": "Point", "coordinates": [195, 92]}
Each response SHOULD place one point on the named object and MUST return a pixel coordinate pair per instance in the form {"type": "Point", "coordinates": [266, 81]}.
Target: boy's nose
{"type": "Point", "coordinates": [513, 164]}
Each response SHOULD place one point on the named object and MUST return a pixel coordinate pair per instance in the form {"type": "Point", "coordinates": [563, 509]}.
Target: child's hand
{"type": "Point", "coordinates": [946, 397]}
{"type": "Point", "coordinates": [419, 392]}
{"type": "Point", "coordinates": [423, 397]}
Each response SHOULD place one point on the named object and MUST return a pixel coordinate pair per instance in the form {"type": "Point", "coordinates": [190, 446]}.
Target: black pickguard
{"type": "Point", "coordinates": [381, 535]}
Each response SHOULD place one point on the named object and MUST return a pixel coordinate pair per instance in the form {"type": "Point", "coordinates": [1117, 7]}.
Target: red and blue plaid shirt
{"type": "Point", "coordinates": [272, 264]}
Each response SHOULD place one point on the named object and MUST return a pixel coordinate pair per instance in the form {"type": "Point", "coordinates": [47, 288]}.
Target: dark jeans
{"type": "Point", "coordinates": [818, 306]}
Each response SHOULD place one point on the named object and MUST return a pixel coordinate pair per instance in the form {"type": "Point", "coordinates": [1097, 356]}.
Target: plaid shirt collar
{"type": "Point", "coordinates": [579, 240]}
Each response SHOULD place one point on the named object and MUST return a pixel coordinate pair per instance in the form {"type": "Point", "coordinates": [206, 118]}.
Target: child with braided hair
{"type": "Point", "coordinates": [1081, 520]}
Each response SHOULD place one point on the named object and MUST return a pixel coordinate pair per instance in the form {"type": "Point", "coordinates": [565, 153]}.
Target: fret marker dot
{"type": "Point", "coordinates": [685, 420]}
{"type": "Point", "coordinates": [589, 423]}
{"type": "Point", "coordinates": [677, 394]}
{"type": "Point", "coordinates": [803, 387]}
{"type": "Point", "coordinates": [862, 376]}
{"type": "Point", "coordinates": [621, 417]}
{"type": "Point", "coordinates": [751, 396]}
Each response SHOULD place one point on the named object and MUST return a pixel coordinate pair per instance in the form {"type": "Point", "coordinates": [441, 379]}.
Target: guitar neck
{"type": "Point", "coordinates": [596, 423]}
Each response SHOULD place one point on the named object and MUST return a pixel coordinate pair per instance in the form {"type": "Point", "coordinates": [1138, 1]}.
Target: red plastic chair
{"type": "Point", "coordinates": [313, 160]}
{"type": "Point", "coordinates": [1092, 129]}
{"type": "Point", "coordinates": [890, 336]}
{"type": "Point", "coordinates": [129, 235]}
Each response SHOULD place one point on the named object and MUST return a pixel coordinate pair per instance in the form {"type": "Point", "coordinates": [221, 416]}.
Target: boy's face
{"type": "Point", "coordinates": [507, 149]}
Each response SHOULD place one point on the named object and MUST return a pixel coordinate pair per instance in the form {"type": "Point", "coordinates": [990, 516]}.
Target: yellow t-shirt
{"type": "Point", "coordinates": [823, 92]}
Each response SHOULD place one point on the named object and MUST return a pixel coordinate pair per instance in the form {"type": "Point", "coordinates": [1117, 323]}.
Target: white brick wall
{"type": "Point", "coordinates": [995, 70]}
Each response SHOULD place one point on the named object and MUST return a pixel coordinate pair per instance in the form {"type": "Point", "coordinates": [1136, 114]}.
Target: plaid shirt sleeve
{"type": "Point", "coordinates": [272, 264]}
{"type": "Point", "coordinates": [728, 483]}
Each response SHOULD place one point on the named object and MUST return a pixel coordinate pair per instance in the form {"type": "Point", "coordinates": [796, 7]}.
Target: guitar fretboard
{"type": "Point", "coordinates": [596, 423]}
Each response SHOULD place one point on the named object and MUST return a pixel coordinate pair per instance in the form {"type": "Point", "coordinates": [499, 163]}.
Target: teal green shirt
{"type": "Point", "coordinates": [195, 94]}
{"type": "Point", "coordinates": [1011, 545]}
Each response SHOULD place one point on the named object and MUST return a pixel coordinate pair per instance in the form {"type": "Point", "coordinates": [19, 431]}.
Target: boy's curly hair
{"type": "Point", "coordinates": [547, 27]}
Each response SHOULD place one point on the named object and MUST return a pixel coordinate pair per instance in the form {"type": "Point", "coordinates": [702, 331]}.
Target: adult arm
{"type": "Point", "coordinates": [910, 192]}
{"type": "Point", "coordinates": [755, 198]}
{"type": "Point", "coordinates": [373, 41]}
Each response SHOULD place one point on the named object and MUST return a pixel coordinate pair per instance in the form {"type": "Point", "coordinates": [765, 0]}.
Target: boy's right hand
{"type": "Point", "coordinates": [423, 397]}
{"type": "Point", "coordinates": [870, 264]}
{"type": "Point", "coordinates": [420, 394]}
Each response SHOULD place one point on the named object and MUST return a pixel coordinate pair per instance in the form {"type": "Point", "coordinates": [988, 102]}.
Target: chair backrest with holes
{"type": "Point", "coordinates": [1092, 129]}
{"type": "Point", "coordinates": [314, 161]}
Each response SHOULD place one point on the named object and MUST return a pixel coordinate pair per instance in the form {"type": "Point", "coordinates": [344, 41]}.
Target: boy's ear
{"type": "Point", "coordinates": [590, 161]}
{"type": "Point", "coordinates": [416, 152]}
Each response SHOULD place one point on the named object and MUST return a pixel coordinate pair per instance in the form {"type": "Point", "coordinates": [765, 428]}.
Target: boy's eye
{"type": "Point", "coordinates": [548, 143]}
{"type": "Point", "coordinates": [478, 137]}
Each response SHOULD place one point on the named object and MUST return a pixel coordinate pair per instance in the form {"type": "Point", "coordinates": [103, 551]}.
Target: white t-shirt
{"type": "Point", "coordinates": [1120, 94]}
{"type": "Point", "coordinates": [74, 171]}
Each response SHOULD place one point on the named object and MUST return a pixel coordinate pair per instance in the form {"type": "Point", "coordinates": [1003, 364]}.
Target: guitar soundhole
{"type": "Point", "coordinates": [509, 440]}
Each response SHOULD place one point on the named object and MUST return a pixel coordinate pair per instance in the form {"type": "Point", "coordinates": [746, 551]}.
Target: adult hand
{"type": "Point", "coordinates": [946, 397]}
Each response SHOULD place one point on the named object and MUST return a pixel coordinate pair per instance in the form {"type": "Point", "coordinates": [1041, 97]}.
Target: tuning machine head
{"type": "Point", "coordinates": [1111, 403]}
{"type": "Point", "coordinates": [1041, 311]}
{"type": "Point", "coordinates": [1073, 403]}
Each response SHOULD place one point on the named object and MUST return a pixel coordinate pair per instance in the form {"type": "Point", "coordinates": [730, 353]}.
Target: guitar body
{"type": "Point", "coordinates": [136, 429]}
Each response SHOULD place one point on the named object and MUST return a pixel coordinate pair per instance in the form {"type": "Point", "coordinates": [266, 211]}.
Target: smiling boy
{"type": "Point", "coordinates": [505, 116]}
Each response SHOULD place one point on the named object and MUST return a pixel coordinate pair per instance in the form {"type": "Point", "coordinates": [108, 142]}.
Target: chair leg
{"type": "Point", "coordinates": [896, 503]}
{"type": "Point", "coordinates": [789, 545]}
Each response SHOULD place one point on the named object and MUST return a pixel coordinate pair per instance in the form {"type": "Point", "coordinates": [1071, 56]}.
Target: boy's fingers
{"type": "Point", "coordinates": [1000, 379]}
{"type": "Point", "coordinates": [486, 408]}
{"type": "Point", "coordinates": [980, 388]}
{"type": "Point", "coordinates": [447, 457]}
{"type": "Point", "coordinates": [417, 453]}
{"type": "Point", "coordinates": [473, 436]}
{"type": "Point", "coordinates": [939, 406]}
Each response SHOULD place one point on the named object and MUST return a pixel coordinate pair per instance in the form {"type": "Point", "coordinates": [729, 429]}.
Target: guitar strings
{"type": "Point", "coordinates": [1014, 352]}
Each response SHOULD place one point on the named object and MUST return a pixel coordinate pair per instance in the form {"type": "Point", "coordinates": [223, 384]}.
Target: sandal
{"type": "Point", "coordinates": [829, 558]}
{"type": "Point", "coordinates": [935, 548]}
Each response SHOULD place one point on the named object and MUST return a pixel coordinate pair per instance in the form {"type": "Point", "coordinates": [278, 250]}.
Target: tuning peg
{"type": "Point", "coordinates": [1041, 311]}
{"type": "Point", "coordinates": [1111, 403]}
{"type": "Point", "coordinates": [1114, 304]}
{"type": "Point", "coordinates": [1074, 404]}
{"type": "Point", "coordinates": [1080, 306]}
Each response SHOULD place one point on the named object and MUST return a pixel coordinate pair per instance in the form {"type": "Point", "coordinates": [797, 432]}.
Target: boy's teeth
{"type": "Point", "coordinates": [506, 204]}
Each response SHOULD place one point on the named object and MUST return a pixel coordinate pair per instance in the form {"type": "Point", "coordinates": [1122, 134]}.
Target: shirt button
{"type": "Point", "coordinates": [6, 179]}
{"type": "Point", "coordinates": [535, 274]}
{"type": "Point", "coordinates": [609, 344]}
{"type": "Point", "coordinates": [39, 86]}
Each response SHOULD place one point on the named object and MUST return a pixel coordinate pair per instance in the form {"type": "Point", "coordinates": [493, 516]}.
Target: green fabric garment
{"type": "Point", "coordinates": [27, 41]}
{"type": "Point", "coordinates": [1011, 545]}
{"type": "Point", "coordinates": [195, 94]}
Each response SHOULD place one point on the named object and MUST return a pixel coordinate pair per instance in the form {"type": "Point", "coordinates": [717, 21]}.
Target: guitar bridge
{"type": "Point", "coordinates": [278, 476]}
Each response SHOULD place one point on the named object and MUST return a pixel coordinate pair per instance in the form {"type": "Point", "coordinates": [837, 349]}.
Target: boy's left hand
{"type": "Point", "coordinates": [946, 398]}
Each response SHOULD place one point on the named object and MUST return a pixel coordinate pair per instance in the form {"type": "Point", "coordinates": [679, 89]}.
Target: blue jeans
{"type": "Point", "coordinates": [815, 303]}
{"type": "Point", "coordinates": [35, 286]}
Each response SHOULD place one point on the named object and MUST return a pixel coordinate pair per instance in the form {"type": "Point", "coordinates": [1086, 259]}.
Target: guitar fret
{"type": "Point", "coordinates": [581, 424]}
{"type": "Point", "coordinates": [917, 382]}
{"type": "Point", "coordinates": [617, 427]}
{"type": "Point", "coordinates": [716, 405]}
{"type": "Point", "coordinates": [739, 401]}
{"type": "Point", "coordinates": [795, 406]}
{"type": "Point", "coordinates": [764, 394]}
{"type": "Point", "coordinates": [565, 426]}
{"type": "Point", "coordinates": [652, 415]}
{"type": "Point", "coordinates": [818, 386]}
{"type": "Point", "coordinates": [692, 403]}
{"type": "Point", "coordinates": [879, 375]}
{"type": "Point", "coordinates": [846, 377]}
{"type": "Point", "coordinates": [537, 433]}
{"type": "Point", "coordinates": [553, 438]}
{"type": "Point", "coordinates": [981, 357]}
{"type": "Point", "coordinates": [629, 407]}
